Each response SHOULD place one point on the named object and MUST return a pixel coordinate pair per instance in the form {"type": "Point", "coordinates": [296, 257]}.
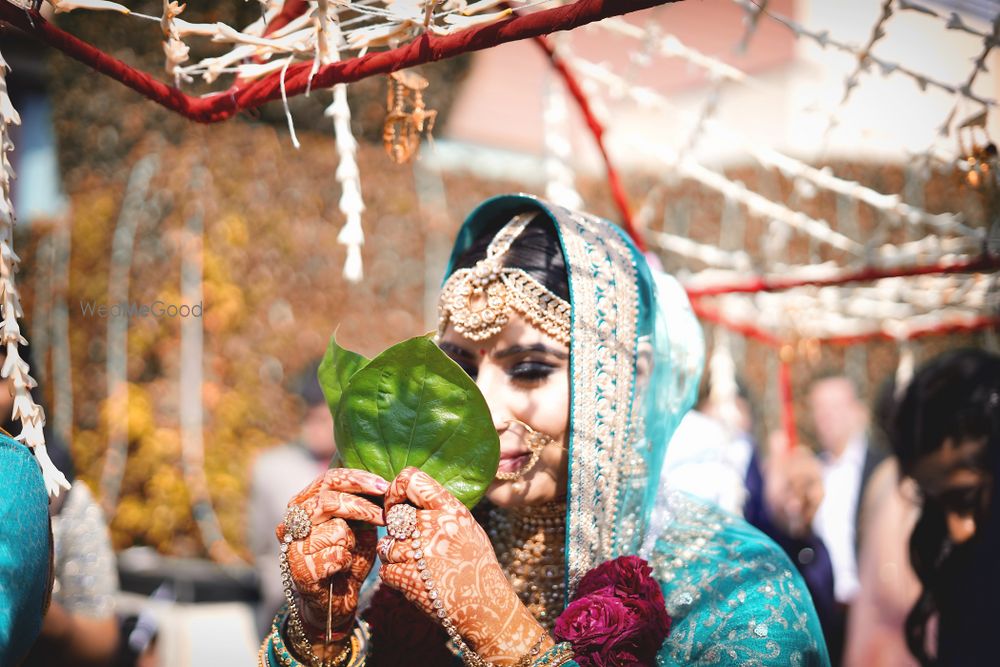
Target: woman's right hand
{"type": "Point", "coordinates": [334, 551]}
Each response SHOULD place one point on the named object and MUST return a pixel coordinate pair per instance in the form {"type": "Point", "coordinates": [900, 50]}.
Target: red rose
{"type": "Point", "coordinates": [630, 575]}
{"type": "Point", "coordinates": [621, 654]}
{"type": "Point", "coordinates": [649, 636]}
{"type": "Point", "coordinates": [592, 622]}
{"type": "Point", "coordinates": [618, 617]}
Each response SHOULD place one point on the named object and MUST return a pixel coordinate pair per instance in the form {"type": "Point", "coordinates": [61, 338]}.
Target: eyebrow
{"type": "Point", "coordinates": [522, 349]}
{"type": "Point", "coordinates": [456, 350]}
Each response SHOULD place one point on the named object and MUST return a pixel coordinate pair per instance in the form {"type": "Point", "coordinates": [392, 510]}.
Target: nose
{"type": "Point", "coordinates": [489, 381]}
{"type": "Point", "coordinates": [961, 527]}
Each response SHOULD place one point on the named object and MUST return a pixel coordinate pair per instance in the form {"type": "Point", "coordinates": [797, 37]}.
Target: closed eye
{"type": "Point", "coordinates": [530, 371]}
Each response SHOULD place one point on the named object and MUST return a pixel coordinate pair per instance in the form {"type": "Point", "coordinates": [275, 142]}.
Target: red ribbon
{"type": "Point", "coordinates": [224, 105]}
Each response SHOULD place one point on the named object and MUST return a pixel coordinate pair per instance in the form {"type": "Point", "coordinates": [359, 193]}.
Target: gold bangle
{"type": "Point", "coordinates": [265, 647]}
{"type": "Point", "coordinates": [355, 647]}
{"type": "Point", "coordinates": [306, 651]}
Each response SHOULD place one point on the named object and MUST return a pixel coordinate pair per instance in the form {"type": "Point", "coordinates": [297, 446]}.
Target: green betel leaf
{"type": "Point", "coordinates": [336, 368]}
{"type": "Point", "coordinates": [413, 406]}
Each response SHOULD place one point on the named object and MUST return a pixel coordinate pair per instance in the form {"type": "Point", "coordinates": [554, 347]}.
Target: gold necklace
{"type": "Point", "coordinates": [529, 543]}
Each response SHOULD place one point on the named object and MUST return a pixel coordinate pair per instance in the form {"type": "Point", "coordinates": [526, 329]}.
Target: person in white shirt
{"type": "Point", "coordinates": [840, 420]}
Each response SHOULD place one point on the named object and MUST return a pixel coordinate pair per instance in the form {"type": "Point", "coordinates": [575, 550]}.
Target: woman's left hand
{"type": "Point", "coordinates": [468, 583]}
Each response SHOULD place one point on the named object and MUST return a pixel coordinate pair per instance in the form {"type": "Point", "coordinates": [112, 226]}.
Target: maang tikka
{"type": "Point", "coordinates": [477, 302]}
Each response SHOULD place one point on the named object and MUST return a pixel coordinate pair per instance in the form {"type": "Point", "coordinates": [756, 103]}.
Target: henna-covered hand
{"type": "Point", "coordinates": [468, 580]}
{"type": "Point", "coordinates": [335, 551]}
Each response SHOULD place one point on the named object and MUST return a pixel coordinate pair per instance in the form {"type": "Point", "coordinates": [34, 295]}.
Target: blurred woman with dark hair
{"type": "Point", "coordinates": [945, 430]}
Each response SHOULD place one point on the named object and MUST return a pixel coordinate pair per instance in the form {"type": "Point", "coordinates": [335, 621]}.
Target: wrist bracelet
{"type": "Point", "coordinates": [297, 527]}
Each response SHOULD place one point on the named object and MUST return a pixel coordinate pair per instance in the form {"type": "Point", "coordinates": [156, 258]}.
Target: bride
{"type": "Point", "coordinates": [587, 362]}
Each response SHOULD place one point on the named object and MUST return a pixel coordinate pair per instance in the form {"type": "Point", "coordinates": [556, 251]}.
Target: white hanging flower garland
{"type": "Point", "coordinates": [351, 204]}
{"type": "Point", "coordinates": [30, 413]}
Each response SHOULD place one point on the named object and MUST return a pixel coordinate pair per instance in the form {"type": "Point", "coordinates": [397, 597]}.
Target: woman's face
{"type": "Point", "coordinates": [956, 477]}
{"type": "Point", "coordinates": [524, 375]}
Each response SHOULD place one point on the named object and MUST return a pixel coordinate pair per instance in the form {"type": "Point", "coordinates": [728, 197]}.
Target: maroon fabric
{"type": "Point", "coordinates": [290, 10]}
{"type": "Point", "coordinates": [224, 105]}
{"type": "Point", "coordinates": [402, 635]}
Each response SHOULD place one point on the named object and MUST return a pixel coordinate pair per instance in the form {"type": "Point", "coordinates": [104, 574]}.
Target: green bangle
{"type": "Point", "coordinates": [560, 654]}
{"type": "Point", "coordinates": [276, 648]}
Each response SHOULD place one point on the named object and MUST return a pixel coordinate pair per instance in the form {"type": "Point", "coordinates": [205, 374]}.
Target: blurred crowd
{"type": "Point", "coordinates": [889, 515]}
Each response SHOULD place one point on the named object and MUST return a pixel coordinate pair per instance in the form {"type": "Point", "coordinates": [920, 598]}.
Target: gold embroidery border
{"type": "Point", "coordinates": [603, 352]}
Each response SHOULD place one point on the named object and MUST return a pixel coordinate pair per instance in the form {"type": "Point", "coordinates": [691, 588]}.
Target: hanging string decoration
{"type": "Point", "coordinates": [30, 414]}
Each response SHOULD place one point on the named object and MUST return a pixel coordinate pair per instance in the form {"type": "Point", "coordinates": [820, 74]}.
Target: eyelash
{"type": "Point", "coordinates": [529, 371]}
{"type": "Point", "coordinates": [525, 372]}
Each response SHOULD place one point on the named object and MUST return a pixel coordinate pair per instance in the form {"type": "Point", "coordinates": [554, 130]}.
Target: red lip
{"type": "Point", "coordinates": [513, 461]}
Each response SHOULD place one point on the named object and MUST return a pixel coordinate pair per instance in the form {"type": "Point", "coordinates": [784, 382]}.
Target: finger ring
{"type": "Point", "coordinates": [401, 521]}
{"type": "Point", "coordinates": [385, 548]}
{"type": "Point", "coordinates": [297, 524]}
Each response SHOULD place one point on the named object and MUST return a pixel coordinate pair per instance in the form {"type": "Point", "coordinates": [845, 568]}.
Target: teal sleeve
{"type": "Point", "coordinates": [733, 595]}
{"type": "Point", "coordinates": [25, 548]}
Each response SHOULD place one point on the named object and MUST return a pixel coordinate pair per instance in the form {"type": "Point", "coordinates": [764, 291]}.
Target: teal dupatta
{"type": "Point", "coordinates": [25, 550]}
{"type": "Point", "coordinates": [636, 355]}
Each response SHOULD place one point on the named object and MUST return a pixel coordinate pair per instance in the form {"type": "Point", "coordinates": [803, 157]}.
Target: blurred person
{"type": "Point", "coordinates": [139, 648]}
{"type": "Point", "coordinates": [784, 493]}
{"type": "Point", "coordinates": [713, 456]}
{"type": "Point", "coordinates": [80, 627]}
{"type": "Point", "coordinates": [793, 487]}
{"type": "Point", "coordinates": [278, 474]}
{"type": "Point", "coordinates": [141, 632]}
{"type": "Point", "coordinates": [25, 551]}
{"type": "Point", "coordinates": [945, 431]}
{"type": "Point", "coordinates": [840, 420]}
{"type": "Point", "coordinates": [889, 586]}
{"type": "Point", "coordinates": [709, 454]}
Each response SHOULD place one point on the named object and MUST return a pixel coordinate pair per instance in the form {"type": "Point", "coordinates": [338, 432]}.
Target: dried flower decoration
{"type": "Point", "coordinates": [351, 203]}
{"type": "Point", "coordinates": [31, 415]}
{"type": "Point", "coordinates": [62, 6]}
{"type": "Point", "coordinates": [173, 47]}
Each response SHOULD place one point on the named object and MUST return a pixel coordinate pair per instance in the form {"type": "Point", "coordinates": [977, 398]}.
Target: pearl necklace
{"type": "Point", "coordinates": [529, 543]}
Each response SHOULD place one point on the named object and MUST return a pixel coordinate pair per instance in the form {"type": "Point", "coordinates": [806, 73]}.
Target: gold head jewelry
{"type": "Point", "coordinates": [478, 302]}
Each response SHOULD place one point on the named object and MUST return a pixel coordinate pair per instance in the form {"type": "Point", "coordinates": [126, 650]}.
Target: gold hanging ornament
{"type": "Point", "coordinates": [407, 117]}
{"type": "Point", "coordinates": [980, 153]}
